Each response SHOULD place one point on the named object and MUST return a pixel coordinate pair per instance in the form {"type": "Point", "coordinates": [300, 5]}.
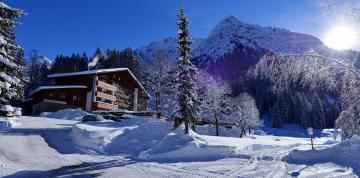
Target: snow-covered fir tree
{"type": "Point", "coordinates": [189, 105]}
{"type": "Point", "coordinates": [11, 57]}
{"type": "Point", "coordinates": [276, 116]}
{"type": "Point", "coordinates": [244, 113]}
{"type": "Point", "coordinates": [319, 121]}
{"type": "Point", "coordinates": [215, 96]}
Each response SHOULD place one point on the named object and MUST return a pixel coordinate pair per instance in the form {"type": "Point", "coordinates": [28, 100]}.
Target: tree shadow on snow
{"type": "Point", "coordinates": [83, 170]}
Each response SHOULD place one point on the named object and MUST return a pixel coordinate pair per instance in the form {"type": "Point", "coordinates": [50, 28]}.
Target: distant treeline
{"type": "Point", "coordinates": [107, 59]}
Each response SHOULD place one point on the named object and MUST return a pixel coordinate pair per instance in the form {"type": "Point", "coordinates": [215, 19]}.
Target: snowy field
{"type": "Point", "coordinates": [145, 147]}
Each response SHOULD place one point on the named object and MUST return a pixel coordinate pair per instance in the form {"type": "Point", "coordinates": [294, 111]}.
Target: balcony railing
{"type": "Point", "coordinates": [107, 106]}
{"type": "Point", "coordinates": [106, 86]}
{"type": "Point", "coordinates": [105, 96]}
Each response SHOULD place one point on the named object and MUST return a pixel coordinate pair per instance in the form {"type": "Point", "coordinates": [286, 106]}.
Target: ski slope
{"type": "Point", "coordinates": [42, 147]}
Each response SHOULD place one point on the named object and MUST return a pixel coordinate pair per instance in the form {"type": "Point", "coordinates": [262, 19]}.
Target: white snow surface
{"type": "Point", "coordinates": [66, 114]}
{"type": "Point", "coordinates": [7, 123]}
{"type": "Point", "coordinates": [42, 147]}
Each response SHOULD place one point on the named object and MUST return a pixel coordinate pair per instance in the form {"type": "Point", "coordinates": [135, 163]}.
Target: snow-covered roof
{"type": "Point", "coordinates": [99, 71]}
{"type": "Point", "coordinates": [88, 72]}
{"type": "Point", "coordinates": [56, 87]}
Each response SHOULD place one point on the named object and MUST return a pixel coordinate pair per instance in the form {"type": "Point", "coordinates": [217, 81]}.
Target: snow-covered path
{"type": "Point", "coordinates": [42, 148]}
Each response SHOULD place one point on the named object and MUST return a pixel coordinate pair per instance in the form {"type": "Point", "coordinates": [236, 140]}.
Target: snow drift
{"type": "Point", "coordinates": [66, 114]}
{"type": "Point", "coordinates": [147, 139]}
{"type": "Point", "coordinates": [7, 123]}
{"type": "Point", "coordinates": [346, 153]}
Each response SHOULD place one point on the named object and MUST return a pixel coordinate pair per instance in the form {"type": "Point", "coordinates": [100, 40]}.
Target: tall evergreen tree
{"type": "Point", "coordinates": [318, 113]}
{"type": "Point", "coordinates": [11, 57]}
{"type": "Point", "coordinates": [189, 105]}
{"type": "Point", "coordinates": [276, 116]}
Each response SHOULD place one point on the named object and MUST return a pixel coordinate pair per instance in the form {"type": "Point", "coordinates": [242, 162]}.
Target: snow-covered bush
{"type": "Point", "coordinates": [90, 118]}
{"type": "Point", "coordinates": [8, 110]}
{"type": "Point", "coordinates": [349, 122]}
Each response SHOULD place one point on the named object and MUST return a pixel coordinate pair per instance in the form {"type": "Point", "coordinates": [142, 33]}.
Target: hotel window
{"type": "Point", "coordinates": [76, 98]}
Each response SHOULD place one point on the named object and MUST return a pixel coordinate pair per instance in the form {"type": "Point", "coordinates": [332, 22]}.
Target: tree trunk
{"type": "Point", "coordinates": [243, 132]}
{"type": "Point", "coordinates": [186, 127]}
{"type": "Point", "coordinates": [217, 125]}
{"type": "Point", "coordinates": [249, 130]}
{"type": "Point", "coordinates": [158, 104]}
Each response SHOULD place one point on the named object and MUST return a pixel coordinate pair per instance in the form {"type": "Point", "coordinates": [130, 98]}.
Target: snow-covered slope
{"type": "Point", "coordinates": [231, 35]}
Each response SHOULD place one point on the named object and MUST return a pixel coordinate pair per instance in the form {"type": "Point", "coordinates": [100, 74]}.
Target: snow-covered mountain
{"type": "Point", "coordinates": [44, 60]}
{"type": "Point", "coordinates": [37, 63]}
{"type": "Point", "coordinates": [231, 33]}
{"type": "Point", "coordinates": [234, 46]}
{"type": "Point", "coordinates": [166, 47]}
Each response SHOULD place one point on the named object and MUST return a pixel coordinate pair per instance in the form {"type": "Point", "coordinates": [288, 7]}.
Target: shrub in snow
{"type": "Point", "coordinates": [89, 118]}
{"type": "Point", "coordinates": [112, 117]}
{"type": "Point", "coordinates": [244, 113]}
{"type": "Point", "coordinates": [349, 122]}
{"type": "Point", "coordinates": [8, 110]}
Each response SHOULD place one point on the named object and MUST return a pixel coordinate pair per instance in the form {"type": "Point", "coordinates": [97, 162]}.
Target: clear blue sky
{"type": "Point", "coordinates": [66, 26]}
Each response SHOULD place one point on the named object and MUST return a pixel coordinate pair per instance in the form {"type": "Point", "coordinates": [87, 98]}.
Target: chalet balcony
{"type": "Point", "coordinates": [105, 96]}
{"type": "Point", "coordinates": [106, 86]}
{"type": "Point", "coordinates": [106, 106]}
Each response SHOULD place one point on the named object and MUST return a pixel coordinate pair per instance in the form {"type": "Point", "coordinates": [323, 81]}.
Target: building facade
{"type": "Point", "coordinates": [93, 90]}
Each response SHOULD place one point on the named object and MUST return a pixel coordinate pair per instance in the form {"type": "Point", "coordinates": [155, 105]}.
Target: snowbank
{"type": "Point", "coordinates": [66, 114]}
{"type": "Point", "coordinates": [346, 153]}
{"type": "Point", "coordinates": [146, 138]}
{"type": "Point", "coordinates": [7, 123]}
{"type": "Point", "coordinates": [180, 147]}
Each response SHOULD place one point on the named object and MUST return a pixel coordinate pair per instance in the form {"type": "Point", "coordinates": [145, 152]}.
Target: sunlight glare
{"type": "Point", "coordinates": [340, 38]}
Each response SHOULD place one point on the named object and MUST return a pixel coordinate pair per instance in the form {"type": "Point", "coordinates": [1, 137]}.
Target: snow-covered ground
{"type": "Point", "coordinates": [144, 147]}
